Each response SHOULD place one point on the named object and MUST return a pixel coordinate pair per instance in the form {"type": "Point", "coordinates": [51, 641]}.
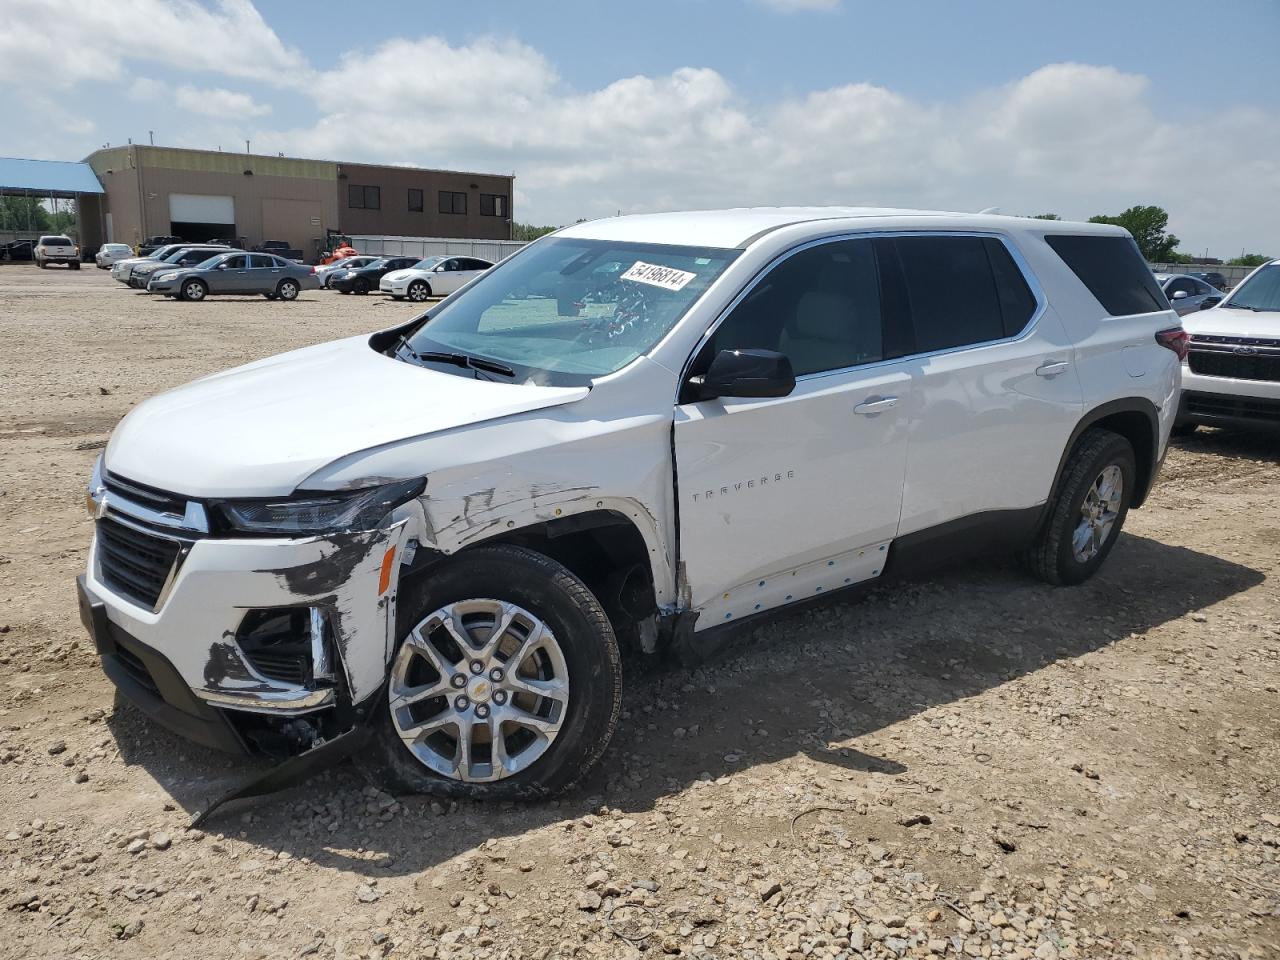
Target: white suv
{"type": "Point", "coordinates": [433, 542]}
{"type": "Point", "coordinates": [1232, 372]}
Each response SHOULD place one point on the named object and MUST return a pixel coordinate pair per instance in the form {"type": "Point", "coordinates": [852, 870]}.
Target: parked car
{"type": "Point", "coordinates": [326, 271]}
{"type": "Point", "coordinates": [1216, 280]}
{"type": "Point", "coordinates": [366, 278]}
{"type": "Point", "coordinates": [1232, 372]}
{"type": "Point", "coordinates": [112, 253]}
{"type": "Point", "coordinates": [152, 244]}
{"type": "Point", "coordinates": [432, 277]}
{"type": "Point", "coordinates": [17, 250]}
{"type": "Point", "coordinates": [280, 248]}
{"type": "Point", "coordinates": [1187, 294]}
{"type": "Point", "coordinates": [56, 248]}
{"type": "Point", "coordinates": [123, 269]}
{"type": "Point", "coordinates": [427, 546]}
{"type": "Point", "coordinates": [240, 273]}
{"type": "Point", "coordinates": [184, 256]}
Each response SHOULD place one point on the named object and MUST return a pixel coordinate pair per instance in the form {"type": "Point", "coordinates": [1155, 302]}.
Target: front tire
{"type": "Point", "coordinates": [194, 290]}
{"type": "Point", "coordinates": [419, 291]}
{"type": "Point", "coordinates": [361, 286]}
{"type": "Point", "coordinates": [1088, 509]}
{"type": "Point", "coordinates": [499, 646]}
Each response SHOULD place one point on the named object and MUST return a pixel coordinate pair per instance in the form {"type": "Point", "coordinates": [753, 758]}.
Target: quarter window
{"type": "Point", "coordinates": [364, 198]}
{"type": "Point", "coordinates": [822, 307]}
{"type": "Point", "coordinates": [452, 201]}
{"type": "Point", "coordinates": [415, 200]}
{"type": "Point", "coordinates": [493, 205]}
{"type": "Point", "coordinates": [1113, 270]}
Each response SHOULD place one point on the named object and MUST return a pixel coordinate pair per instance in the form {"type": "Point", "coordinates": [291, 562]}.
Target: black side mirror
{"type": "Point", "coordinates": [1208, 302]}
{"type": "Point", "coordinates": [747, 373]}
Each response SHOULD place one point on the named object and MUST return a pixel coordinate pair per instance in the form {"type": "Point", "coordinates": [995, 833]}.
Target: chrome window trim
{"type": "Point", "coordinates": [1028, 275]}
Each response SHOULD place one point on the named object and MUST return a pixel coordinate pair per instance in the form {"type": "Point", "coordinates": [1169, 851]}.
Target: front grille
{"type": "Point", "coordinates": [158, 500]}
{"type": "Point", "coordinates": [133, 563]}
{"type": "Point", "coordinates": [1228, 406]}
{"type": "Point", "coordinates": [1239, 358]}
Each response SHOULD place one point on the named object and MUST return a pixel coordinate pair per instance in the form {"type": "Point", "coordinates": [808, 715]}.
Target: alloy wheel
{"type": "Point", "coordinates": [1098, 513]}
{"type": "Point", "coordinates": [479, 690]}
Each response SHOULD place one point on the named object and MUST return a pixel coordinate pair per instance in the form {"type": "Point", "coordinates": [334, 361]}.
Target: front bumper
{"type": "Point", "coordinates": [1226, 401]}
{"type": "Point", "coordinates": [396, 288]}
{"type": "Point", "coordinates": [163, 286]}
{"type": "Point", "coordinates": [186, 648]}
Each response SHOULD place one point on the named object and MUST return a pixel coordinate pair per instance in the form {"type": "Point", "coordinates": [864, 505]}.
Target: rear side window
{"type": "Point", "coordinates": [962, 290]}
{"type": "Point", "coordinates": [1113, 270]}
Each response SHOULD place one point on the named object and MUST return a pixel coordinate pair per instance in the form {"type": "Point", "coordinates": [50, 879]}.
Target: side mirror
{"type": "Point", "coordinates": [747, 373]}
{"type": "Point", "coordinates": [1208, 302]}
{"type": "Point", "coordinates": [1180, 295]}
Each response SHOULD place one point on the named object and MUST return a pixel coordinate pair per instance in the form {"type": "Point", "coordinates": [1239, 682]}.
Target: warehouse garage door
{"type": "Point", "coordinates": [200, 217]}
{"type": "Point", "coordinates": [297, 222]}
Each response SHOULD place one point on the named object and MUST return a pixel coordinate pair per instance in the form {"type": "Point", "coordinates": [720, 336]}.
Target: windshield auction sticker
{"type": "Point", "coordinates": [667, 278]}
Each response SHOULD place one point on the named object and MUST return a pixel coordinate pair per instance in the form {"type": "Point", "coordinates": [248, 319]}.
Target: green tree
{"type": "Point", "coordinates": [1046, 216]}
{"type": "Point", "coordinates": [23, 214]}
{"type": "Point", "coordinates": [1147, 224]}
{"type": "Point", "coordinates": [1248, 260]}
{"type": "Point", "coordinates": [527, 231]}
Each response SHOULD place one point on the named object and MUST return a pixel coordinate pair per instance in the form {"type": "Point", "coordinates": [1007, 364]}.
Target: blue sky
{"type": "Point", "coordinates": [1076, 108]}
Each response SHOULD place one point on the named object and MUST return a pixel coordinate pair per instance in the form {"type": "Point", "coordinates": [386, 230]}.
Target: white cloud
{"type": "Point", "coordinates": [218, 102]}
{"type": "Point", "coordinates": [92, 40]}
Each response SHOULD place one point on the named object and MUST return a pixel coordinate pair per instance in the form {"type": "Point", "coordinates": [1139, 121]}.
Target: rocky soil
{"type": "Point", "coordinates": [971, 765]}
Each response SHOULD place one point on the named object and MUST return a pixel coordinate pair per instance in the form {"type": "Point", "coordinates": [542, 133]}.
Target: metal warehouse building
{"type": "Point", "coordinates": [248, 198]}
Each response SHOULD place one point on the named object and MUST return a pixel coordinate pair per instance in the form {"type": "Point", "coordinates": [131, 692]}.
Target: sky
{"type": "Point", "coordinates": [602, 107]}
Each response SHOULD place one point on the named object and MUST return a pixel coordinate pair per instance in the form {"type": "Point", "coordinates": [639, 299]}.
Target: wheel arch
{"type": "Point", "coordinates": [1138, 421]}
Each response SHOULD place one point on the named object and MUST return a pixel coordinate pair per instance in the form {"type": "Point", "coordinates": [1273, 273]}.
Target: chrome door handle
{"type": "Point", "coordinates": [1052, 368]}
{"type": "Point", "coordinates": [878, 405]}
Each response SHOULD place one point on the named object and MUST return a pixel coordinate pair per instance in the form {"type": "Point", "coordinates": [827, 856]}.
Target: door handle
{"type": "Point", "coordinates": [878, 405]}
{"type": "Point", "coordinates": [1051, 368]}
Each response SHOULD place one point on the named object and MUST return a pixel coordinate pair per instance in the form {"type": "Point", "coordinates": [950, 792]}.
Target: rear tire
{"type": "Point", "coordinates": [42, 265]}
{"type": "Point", "coordinates": [287, 290]}
{"type": "Point", "coordinates": [74, 265]}
{"type": "Point", "coordinates": [585, 652]}
{"type": "Point", "coordinates": [1088, 509]}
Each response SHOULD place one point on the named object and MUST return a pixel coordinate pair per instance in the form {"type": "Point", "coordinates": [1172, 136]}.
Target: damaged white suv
{"type": "Point", "coordinates": [435, 541]}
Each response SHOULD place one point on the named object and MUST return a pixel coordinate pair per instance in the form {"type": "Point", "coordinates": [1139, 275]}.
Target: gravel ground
{"type": "Point", "coordinates": [973, 765]}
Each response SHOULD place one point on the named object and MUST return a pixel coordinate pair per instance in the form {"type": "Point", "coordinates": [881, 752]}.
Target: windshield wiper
{"type": "Point", "coordinates": [463, 360]}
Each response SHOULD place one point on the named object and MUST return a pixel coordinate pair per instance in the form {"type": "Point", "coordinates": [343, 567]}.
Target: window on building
{"type": "Point", "coordinates": [364, 198]}
{"type": "Point", "coordinates": [415, 201]}
{"type": "Point", "coordinates": [453, 202]}
{"type": "Point", "coordinates": [493, 205]}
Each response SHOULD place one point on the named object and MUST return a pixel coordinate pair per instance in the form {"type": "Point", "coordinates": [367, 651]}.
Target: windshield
{"type": "Point", "coordinates": [563, 311]}
{"type": "Point", "coordinates": [375, 264]}
{"type": "Point", "coordinates": [426, 263]}
{"type": "Point", "coordinates": [1260, 292]}
{"type": "Point", "coordinates": [210, 263]}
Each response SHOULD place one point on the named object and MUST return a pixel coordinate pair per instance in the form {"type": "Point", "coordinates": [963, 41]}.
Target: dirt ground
{"type": "Point", "coordinates": [975, 764]}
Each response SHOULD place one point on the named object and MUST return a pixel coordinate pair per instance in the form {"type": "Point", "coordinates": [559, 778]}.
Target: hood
{"type": "Point", "coordinates": [404, 274]}
{"type": "Point", "coordinates": [1232, 322]}
{"type": "Point", "coordinates": [262, 429]}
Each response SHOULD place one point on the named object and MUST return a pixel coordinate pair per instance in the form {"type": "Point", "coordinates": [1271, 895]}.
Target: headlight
{"type": "Point", "coordinates": [317, 513]}
{"type": "Point", "coordinates": [166, 276]}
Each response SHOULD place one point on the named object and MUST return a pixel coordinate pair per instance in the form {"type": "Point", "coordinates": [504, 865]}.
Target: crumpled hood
{"type": "Point", "coordinates": [262, 429]}
{"type": "Point", "coordinates": [1232, 322]}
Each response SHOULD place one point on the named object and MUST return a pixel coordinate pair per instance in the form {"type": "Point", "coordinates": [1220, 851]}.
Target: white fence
{"type": "Point", "coordinates": [493, 250]}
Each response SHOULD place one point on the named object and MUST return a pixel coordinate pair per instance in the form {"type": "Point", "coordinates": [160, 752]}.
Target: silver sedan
{"type": "Point", "coordinates": [1188, 294]}
{"type": "Point", "coordinates": [237, 273]}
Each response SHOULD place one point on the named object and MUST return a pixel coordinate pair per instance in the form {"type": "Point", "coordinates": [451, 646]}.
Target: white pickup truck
{"type": "Point", "coordinates": [435, 542]}
{"type": "Point", "coordinates": [57, 249]}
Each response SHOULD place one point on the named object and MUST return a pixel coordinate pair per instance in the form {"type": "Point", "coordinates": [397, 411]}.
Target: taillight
{"type": "Point", "coordinates": [1175, 339]}
{"type": "Point", "coordinates": [313, 271]}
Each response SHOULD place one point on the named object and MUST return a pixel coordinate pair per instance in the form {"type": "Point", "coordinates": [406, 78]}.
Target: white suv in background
{"type": "Point", "coordinates": [431, 543]}
{"type": "Point", "coordinates": [1232, 372]}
